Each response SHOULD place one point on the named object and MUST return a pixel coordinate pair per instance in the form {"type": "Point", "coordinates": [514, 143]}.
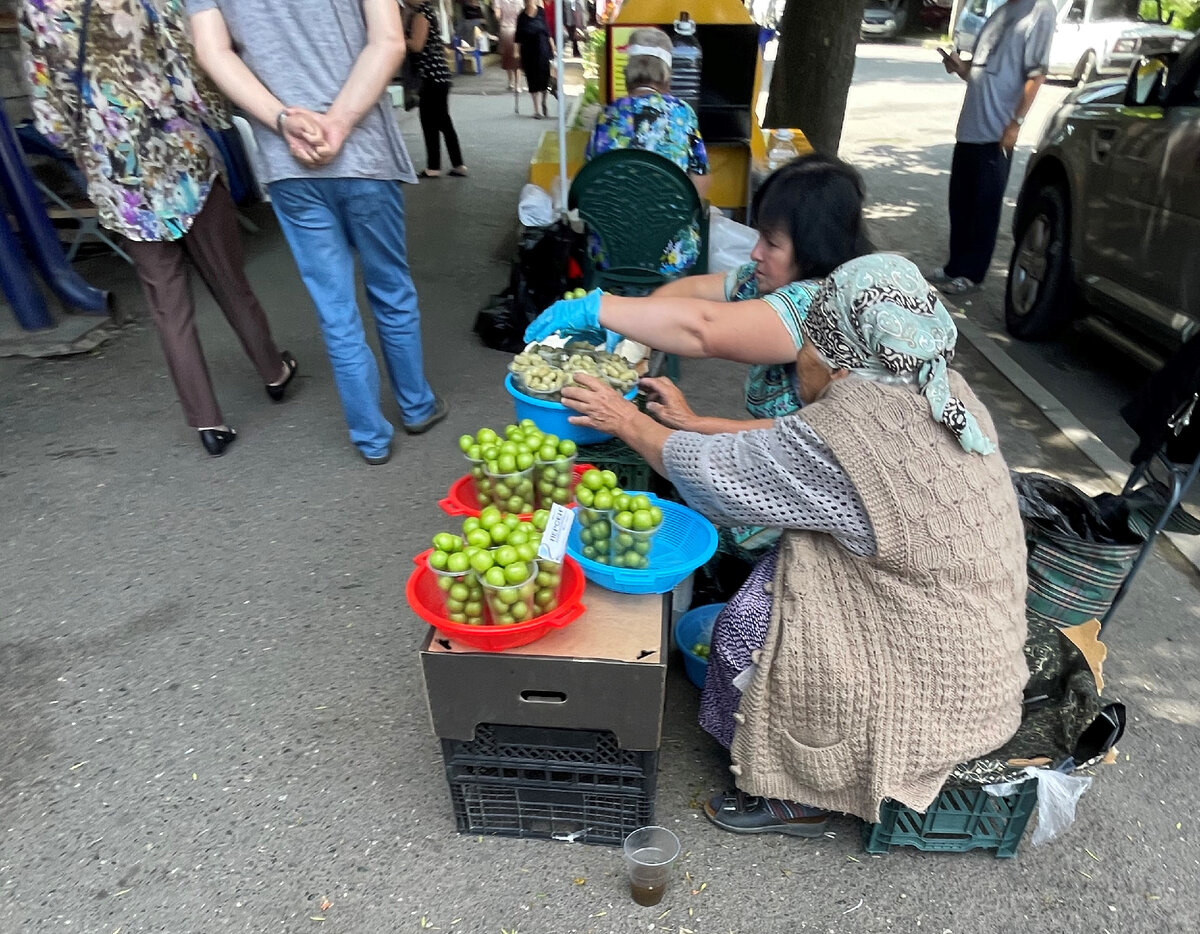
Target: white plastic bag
{"type": "Point", "coordinates": [534, 208]}
{"type": "Point", "coordinates": [1057, 795]}
{"type": "Point", "coordinates": [729, 243]}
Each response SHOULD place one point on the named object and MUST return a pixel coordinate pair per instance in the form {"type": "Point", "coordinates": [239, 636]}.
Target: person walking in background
{"type": "Point", "coordinates": [314, 75]}
{"type": "Point", "coordinates": [425, 43]}
{"type": "Point", "coordinates": [1003, 76]}
{"type": "Point", "coordinates": [537, 48]}
{"type": "Point", "coordinates": [116, 87]}
{"type": "Point", "coordinates": [507, 13]}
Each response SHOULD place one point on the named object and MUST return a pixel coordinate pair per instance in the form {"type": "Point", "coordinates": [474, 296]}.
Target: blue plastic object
{"type": "Point", "coordinates": [551, 417]}
{"type": "Point", "coordinates": [38, 234]}
{"type": "Point", "coordinates": [683, 542]}
{"type": "Point", "coordinates": [692, 627]}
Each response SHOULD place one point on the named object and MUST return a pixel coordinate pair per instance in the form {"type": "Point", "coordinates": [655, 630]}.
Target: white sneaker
{"type": "Point", "coordinates": [957, 286]}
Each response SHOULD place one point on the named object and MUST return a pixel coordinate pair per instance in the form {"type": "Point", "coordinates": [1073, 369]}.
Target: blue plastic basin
{"type": "Point", "coordinates": [551, 417]}
{"type": "Point", "coordinates": [696, 626]}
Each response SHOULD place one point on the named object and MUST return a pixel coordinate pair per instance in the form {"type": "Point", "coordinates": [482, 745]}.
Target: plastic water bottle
{"type": "Point", "coordinates": [686, 62]}
{"type": "Point", "coordinates": [782, 149]}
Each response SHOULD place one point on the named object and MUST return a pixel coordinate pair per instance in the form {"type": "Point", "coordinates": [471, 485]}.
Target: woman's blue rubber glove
{"type": "Point", "coordinates": [568, 316]}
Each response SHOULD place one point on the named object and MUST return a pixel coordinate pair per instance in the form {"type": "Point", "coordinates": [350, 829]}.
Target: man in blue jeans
{"type": "Point", "coordinates": [1003, 76]}
{"type": "Point", "coordinates": [314, 74]}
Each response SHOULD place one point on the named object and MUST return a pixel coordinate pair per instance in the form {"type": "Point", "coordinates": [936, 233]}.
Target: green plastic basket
{"type": "Point", "coordinates": [633, 473]}
{"type": "Point", "coordinates": [960, 819]}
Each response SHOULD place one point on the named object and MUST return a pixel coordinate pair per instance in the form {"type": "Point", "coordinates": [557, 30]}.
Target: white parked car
{"type": "Point", "coordinates": [1092, 37]}
{"type": "Point", "coordinates": [1105, 37]}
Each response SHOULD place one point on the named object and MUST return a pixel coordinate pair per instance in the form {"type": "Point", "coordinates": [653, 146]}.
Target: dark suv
{"type": "Point", "coordinates": [1108, 220]}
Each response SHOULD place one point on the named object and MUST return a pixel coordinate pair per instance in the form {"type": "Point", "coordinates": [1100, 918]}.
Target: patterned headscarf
{"type": "Point", "coordinates": [877, 317]}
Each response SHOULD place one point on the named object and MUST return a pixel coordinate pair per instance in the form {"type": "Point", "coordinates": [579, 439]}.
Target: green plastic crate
{"type": "Point", "coordinates": [633, 473]}
{"type": "Point", "coordinates": [960, 819]}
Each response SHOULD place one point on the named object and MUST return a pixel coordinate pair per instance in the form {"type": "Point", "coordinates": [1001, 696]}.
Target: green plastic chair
{"type": "Point", "coordinates": [636, 202]}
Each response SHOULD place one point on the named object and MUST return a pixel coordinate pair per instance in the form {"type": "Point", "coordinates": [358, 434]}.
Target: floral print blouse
{"type": "Point", "coordinates": [138, 129]}
{"type": "Point", "coordinates": [668, 126]}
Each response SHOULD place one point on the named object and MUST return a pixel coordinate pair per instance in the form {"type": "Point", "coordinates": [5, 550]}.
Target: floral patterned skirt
{"type": "Point", "coordinates": [739, 631]}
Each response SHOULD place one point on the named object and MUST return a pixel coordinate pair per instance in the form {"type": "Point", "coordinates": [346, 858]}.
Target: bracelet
{"type": "Point", "coordinates": [279, 119]}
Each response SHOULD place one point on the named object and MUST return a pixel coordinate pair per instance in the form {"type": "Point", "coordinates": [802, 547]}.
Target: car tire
{"type": "Point", "coordinates": [1039, 295]}
{"type": "Point", "coordinates": [1086, 71]}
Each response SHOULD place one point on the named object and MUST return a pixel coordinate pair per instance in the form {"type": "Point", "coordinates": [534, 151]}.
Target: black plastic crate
{"type": "Point", "coordinates": [534, 782]}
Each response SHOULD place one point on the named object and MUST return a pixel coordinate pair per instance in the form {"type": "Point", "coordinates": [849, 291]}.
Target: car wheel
{"type": "Point", "coordinates": [1038, 297]}
{"type": "Point", "coordinates": [1086, 71]}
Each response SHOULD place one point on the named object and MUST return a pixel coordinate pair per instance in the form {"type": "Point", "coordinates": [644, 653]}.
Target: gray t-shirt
{"type": "Point", "coordinates": [1013, 46]}
{"type": "Point", "coordinates": [303, 50]}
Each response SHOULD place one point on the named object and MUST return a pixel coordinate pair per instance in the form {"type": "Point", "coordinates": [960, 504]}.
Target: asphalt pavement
{"type": "Point", "coordinates": [211, 712]}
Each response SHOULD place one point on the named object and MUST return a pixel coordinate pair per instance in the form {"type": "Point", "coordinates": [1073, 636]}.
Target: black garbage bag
{"type": "Point", "coordinates": [1080, 549]}
{"type": "Point", "coordinates": [550, 260]}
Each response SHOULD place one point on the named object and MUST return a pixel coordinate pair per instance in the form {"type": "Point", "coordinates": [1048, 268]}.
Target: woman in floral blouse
{"type": "Point", "coordinates": [651, 118]}
{"type": "Point", "coordinates": [114, 85]}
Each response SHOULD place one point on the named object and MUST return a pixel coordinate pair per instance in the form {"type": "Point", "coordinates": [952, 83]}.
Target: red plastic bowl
{"type": "Point", "coordinates": [427, 601]}
{"type": "Point", "coordinates": [461, 500]}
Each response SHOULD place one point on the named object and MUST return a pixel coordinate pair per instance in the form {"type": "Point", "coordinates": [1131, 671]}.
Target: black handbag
{"type": "Point", "coordinates": [410, 80]}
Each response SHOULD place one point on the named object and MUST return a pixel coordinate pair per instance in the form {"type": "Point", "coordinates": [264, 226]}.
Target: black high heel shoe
{"type": "Point", "coordinates": [276, 391]}
{"type": "Point", "coordinates": [216, 440]}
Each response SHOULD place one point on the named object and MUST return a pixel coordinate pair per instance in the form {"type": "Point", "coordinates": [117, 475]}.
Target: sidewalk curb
{"type": "Point", "coordinates": [1095, 450]}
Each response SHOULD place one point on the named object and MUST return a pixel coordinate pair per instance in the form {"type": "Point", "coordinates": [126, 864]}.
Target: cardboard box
{"type": "Point", "coordinates": [605, 671]}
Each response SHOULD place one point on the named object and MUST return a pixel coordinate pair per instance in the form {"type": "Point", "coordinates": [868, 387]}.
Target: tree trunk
{"type": "Point", "coordinates": [813, 69]}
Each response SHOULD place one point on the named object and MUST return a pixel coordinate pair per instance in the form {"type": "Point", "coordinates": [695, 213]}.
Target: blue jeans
{"type": "Point", "coordinates": [326, 220]}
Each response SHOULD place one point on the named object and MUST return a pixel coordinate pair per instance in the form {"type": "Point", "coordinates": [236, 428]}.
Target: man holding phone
{"type": "Point", "coordinates": [1003, 76]}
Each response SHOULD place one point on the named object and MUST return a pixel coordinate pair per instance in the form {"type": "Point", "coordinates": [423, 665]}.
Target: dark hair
{"type": "Point", "coordinates": [817, 201]}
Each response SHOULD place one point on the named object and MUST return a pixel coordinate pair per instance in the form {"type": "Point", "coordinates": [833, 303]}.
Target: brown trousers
{"type": "Point", "coordinates": [214, 246]}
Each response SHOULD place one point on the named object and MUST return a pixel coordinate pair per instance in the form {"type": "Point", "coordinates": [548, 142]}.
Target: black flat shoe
{"type": "Point", "coordinates": [276, 391]}
{"type": "Point", "coordinates": [215, 440]}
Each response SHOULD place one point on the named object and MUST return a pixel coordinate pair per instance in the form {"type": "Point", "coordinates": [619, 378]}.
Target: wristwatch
{"type": "Point", "coordinates": [1019, 121]}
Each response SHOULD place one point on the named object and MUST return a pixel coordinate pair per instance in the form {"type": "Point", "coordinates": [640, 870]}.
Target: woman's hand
{"type": "Point", "coordinates": [599, 405]}
{"type": "Point", "coordinates": [667, 404]}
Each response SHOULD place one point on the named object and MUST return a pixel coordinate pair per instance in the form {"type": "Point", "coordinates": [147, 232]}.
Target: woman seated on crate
{"type": "Point", "coordinates": [649, 117]}
{"type": "Point", "coordinates": [880, 643]}
{"type": "Point", "coordinates": [809, 215]}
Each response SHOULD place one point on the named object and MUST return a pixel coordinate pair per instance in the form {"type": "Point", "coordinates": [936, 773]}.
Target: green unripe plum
{"type": "Point", "coordinates": [516, 572]}
{"type": "Point", "coordinates": [437, 560]}
{"type": "Point", "coordinates": [495, 576]}
{"type": "Point", "coordinates": [609, 478]}
{"type": "Point", "coordinates": [458, 563]}
{"type": "Point", "coordinates": [566, 447]}
{"type": "Point", "coordinates": [505, 555]}
{"type": "Point", "coordinates": [499, 533]}
{"type": "Point", "coordinates": [540, 519]}
{"type": "Point", "coordinates": [481, 561]}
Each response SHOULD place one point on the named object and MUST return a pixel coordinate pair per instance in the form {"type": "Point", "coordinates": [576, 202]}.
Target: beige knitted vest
{"type": "Point", "coordinates": [879, 675]}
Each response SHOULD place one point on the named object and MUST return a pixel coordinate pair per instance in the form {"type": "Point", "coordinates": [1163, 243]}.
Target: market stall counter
{"type": "Point", "coordinates": [559, 738]}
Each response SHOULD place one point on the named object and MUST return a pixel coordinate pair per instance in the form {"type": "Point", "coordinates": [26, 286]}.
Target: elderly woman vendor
{"type": "Point", "coordinates": [881, 643]}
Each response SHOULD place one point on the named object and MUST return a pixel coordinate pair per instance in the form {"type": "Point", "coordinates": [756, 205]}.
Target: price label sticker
{"type": "Point", "coordinates": [558, 530]}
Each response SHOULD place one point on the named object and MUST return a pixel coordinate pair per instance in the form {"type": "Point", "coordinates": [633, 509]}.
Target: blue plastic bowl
{"type": "Point", "coordinates": [696, 626]}
{"type": "Point", "coordinates": [683, 542]}
{"type": "Point", "coordinates": [551, 417]}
